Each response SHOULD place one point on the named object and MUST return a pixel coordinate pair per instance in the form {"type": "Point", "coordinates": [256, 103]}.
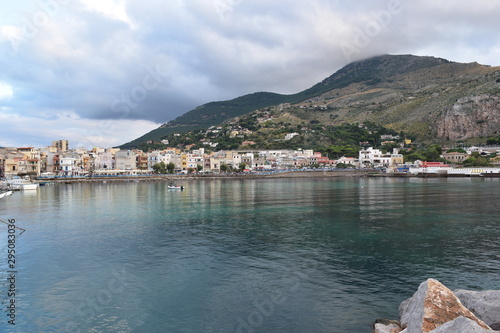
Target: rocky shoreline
{"type": "Point", "coordinates": [436, 309]}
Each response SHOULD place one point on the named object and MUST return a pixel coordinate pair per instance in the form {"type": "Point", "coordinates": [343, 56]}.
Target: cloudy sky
{"type": "Point", "coordinates": [103, 72]}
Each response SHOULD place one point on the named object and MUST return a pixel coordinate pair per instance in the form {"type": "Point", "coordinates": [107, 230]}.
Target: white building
{"type": "Point", "coordinates": [104, 161]}
{"type": "Point", "coordinates": [125, 160]}
{"type": "Point", "coordinates": [68, 165]}
{"type": "Point", "coordinates": [348, 160]}
{"type": "Point", "coordinates": [193, 160]}
{"type": "Point", "coordinates": [373, 158]}
{"type": "Point", "coordinates": [290, 136]}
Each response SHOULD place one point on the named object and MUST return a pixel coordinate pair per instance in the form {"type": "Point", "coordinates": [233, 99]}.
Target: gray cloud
{"type": "Point", "coordinates": [155, 60]}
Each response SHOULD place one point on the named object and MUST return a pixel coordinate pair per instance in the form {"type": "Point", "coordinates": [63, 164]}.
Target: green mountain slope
{"type": "Point", "coordinates": [210, 114]}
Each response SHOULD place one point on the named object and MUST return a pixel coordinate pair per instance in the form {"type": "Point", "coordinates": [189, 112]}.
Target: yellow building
{"type": "Point", "coordinates": [184, 162]}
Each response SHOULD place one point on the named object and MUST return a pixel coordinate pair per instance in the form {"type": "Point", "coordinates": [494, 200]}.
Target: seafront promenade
{"type": "Point", "coordinates": [178, 177]}
{"type": "Point", "coordinates": [258, 175]}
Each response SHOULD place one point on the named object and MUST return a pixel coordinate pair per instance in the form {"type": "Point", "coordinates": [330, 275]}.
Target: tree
{"type": "Point", "coordinates": [224, 167]}
{"type": "Point", "coordinates": [430, 154]}
{"type": "Point", "coordinates": [160, 168]}
{"type": "Point", "coordinates": [493, 140]}
{"type": "Point", "coordinates": [433, 153]}
{"type": "Point", "coordinates": [199, 167]}
{"type": "Point", "coordinates": [389, 147]}
{"type": "Point", "coordinates": [344, 166]}
{"type": "Point", "coordinates": [476, 160]}
{"type": "Point", "coordinates": [412, 156]}
{"type": "Point", "coordinates": [170, 167]}
{"type": "Point", "coordinates": [339, 151]}
{"type": "Point", "coordinates": [242, 166]}
{"type": "Point", "coordinates": [456, 150]}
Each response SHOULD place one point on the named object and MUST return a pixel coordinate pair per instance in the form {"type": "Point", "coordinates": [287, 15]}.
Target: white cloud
{"type": "Point", "coordinates": [9, 32]}
{"type": "Point", "coordinates": [19, 131]}
{"type": "Point", "coordinates": [113, 9]}
{"type": "Point", "coordinates": [6, 91]}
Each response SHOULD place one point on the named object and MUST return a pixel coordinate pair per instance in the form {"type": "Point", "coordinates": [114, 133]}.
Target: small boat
{"type": "Point", "coordinates": [175, 187]}
{"type": "Point", "coordinates": [22, 184]}
{"type": "Point", "coordinates": [5, 193]}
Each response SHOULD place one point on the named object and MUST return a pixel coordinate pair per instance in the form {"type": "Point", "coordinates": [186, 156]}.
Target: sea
{"type": "Point", "coordinates": [316, 255]}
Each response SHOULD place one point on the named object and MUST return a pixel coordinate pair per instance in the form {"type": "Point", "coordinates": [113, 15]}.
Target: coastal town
{"type": "Point", "coordinates": [58, 161]}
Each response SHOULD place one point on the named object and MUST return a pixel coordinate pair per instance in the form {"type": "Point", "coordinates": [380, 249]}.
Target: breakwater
{"type": "Point", "coordinates": [436, 309]}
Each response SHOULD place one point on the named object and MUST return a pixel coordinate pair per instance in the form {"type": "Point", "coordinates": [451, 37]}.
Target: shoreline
{"type": "Point", "coordinates": [285, 174]}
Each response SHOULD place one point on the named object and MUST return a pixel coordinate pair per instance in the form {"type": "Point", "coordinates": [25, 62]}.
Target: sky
{"type": "Point", "coordinates": [104, 72]}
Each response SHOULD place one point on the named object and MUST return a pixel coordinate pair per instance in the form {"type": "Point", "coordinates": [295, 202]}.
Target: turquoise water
{"type": "Point", "coordinates": [290, 255]}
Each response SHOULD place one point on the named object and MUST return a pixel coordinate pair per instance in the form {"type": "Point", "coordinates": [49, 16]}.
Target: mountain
{"type": "Point", "coordinates": [425, 96]}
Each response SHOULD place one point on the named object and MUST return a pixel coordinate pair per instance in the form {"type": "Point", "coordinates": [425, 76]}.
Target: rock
{"type": "Point", "coordinates": [392, 328]}
{"type": "Point", "coordinates": [470, 116]}
{"type": "Point", "coordinates": [461, 325]}
{"type": "Point", "coordinates": [386, 322]}
{"type": "Point", "coordinates": [484, 304]}
{"type": "Point", "coordinates": [386, 326]}
{"type": "Point", "coordinates": [402, 306]}
{"type": "Point", "coordinates": [432, 306]}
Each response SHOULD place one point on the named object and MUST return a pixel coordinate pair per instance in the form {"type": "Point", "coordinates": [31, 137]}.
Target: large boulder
{"type": "Point", "coordinates": [386, 326]}
{"type": "Point", "coordinates": [432, 306]}
{"type": "Point", "coordinates": [461, 325]}
{"type": "Point", "coordinates": [484, 304]}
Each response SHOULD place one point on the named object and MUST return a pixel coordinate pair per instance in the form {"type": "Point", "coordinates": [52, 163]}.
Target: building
{"type": "Point", "coordinates": [193, 160]}
{"type": "Point", "coordinates": [455, 157]}
{"type": "Point", "coordinates": [215, 163]}
{"type": "Point", "coordinates": [373, 158]}
{"type": "Point", "coordinates": [11, 165]}
{"type": "Point", "coordinates": [103, 161]}
{"type": "Point", "coordinates": [389, 137]}
{"type": "Point", "coordinates": [396, 157]}
{"type": "Point", "coordinates": [125, 160]}
{"type": "Point", "coordinates": [68, 165]}
{"type": "Point", "coordinates": [30, 163]}
{"type": "Point", "coordinates": [142, 161]}
{"type": "Point", "coordinates": [247, 159]}
{"type": "Point", "coordinates": [290, 136]}
{"type": "Point", "coordinates": [29, 152]}
{"type": "Point", "coordinates": [61, 145]}
{"type": "Point", "coordinates": [348, 160]}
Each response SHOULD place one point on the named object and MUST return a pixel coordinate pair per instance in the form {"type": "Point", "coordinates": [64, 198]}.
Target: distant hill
{"type": "Point", "coordinates": [426, 96]}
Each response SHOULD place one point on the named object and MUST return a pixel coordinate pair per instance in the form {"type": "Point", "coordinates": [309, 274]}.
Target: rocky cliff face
{"type": "Point", "coordinates": [472, 116]}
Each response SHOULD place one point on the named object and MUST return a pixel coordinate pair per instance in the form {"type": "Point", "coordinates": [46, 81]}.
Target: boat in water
{"type": "Point", "coordinates": [172, 186]}
{"type": "Point", "coordinates": [22, 184]}
{"type": "Point", "coordinates": [5, 193]}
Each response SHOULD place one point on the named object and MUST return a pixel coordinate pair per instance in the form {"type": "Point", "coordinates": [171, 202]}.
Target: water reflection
{"type": "Point", "coordinates": [342, 252]}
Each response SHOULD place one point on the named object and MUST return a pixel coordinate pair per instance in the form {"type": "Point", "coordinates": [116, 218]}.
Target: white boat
{"type": "Point", "coordinates": [5, 193]}
{"type": "Point", "coordinates": [175, 187]}
{"type": "Point", "coordinates": [22, 184]}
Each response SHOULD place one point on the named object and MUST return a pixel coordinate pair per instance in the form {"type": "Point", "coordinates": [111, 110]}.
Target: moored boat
{"type": "Point", "coordinates": [22, 184]}
{"type": "Point", "coordinates": [5, 193]}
